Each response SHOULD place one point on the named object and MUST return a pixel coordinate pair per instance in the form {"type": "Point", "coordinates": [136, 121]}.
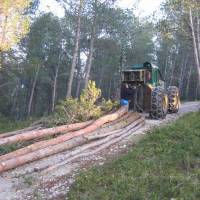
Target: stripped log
{"type": "Point", "coordinates": [8, 134]}
{"type": "Point", "coordinates": [59, 144]}
{"type": "Point", "coordinates": [42, 133]}
{"type": "Point", "coordinates": [74, 154]}
{"type": "Point", "coordinates": [112, 138]}
{"type": "Point", "coordinates": [43, 144]}
{"type": "Point", "coordinates": [135, 118]}
{"type": "Point", "coordinates": [125, 116]}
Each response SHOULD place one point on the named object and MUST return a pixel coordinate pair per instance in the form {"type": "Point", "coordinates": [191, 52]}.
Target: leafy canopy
{"type": "Point", "coordinates": [14, 24]}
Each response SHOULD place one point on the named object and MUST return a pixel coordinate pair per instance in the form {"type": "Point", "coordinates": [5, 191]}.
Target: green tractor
{"type": "Point", "coordinates": [144, 88]}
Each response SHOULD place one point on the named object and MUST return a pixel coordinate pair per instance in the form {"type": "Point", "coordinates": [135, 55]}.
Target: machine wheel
{"type": "Point", "coordinates": [159, 103]}
{"type": "Point", "coordinates": [174, 99]}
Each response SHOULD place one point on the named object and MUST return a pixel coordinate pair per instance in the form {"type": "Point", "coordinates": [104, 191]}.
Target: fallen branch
{"type": "Point", "coordinates": [42, 133]}
{"type": "Point", "coordinates": [59, 144]}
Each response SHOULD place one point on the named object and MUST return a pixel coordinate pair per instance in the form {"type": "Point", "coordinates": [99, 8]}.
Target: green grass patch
{"type": "Point", "coordinates": [164, 165]}
{"type": "Point", "coordinates": [7, 125]}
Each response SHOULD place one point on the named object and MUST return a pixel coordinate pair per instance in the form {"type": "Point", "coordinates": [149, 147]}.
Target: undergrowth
{"type": "Point", "coordinates": [7, 125]}
{"type": "Point", "coordinates": [164, 165]}
{"type": "Point", "coordinates": [88, 106]}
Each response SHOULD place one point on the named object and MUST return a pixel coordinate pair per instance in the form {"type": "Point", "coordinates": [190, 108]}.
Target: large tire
{"type": "Point", "coordinates": [174, 99]}
{"type": "Point", "coordinates": [159, 103]}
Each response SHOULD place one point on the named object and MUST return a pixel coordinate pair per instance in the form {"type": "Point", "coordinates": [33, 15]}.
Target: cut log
{"type": "Point", "coordinates": [8, 134]}
{"type": "Point", "coordinates": [60, 142]}
{"type": "Point", "coordinates": [42, 133]}
{"type": "Point", "coordinates": [112, 138]}
{"type": "Point", "coordinates": [125, 116]}
{"type": "Point", "coordinates": [39, 145]}
{"type": "Point", "coordinates": [103, 143]}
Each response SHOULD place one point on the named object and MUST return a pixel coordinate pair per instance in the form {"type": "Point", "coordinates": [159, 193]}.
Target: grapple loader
{"type": "Point", "coordinates": [145, 89]}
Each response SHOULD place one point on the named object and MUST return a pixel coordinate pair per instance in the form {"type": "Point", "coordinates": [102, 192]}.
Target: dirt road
{"type": "Point", "coordinates": [32, 182]}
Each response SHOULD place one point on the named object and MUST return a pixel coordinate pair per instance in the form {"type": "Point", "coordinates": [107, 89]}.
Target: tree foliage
{"type": "Point", "coordinates": [35, 74]}
{"type": "Point", "coordinates": [14, 25]}
{"type": "Point", "coordinates": [88, 107]}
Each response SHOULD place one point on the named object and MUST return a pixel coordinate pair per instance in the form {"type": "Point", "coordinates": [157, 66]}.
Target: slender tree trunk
{"type": "Point", "coordinates": [55, 84]}
{"type": "Point", "coordinates": [183, 70]}
{"type": "Point", "coordinates": [188, 83]}
{"type": "Point", "coordinates": [1, 58]}
{"type": "Point", "coordinates": [4, 30]}
{"type": "Point", "coordinates": [101, 77]}
{"type": "Point", "coordinates": [33, 90]}
{"type": "Point", "coordinates": [197, 91]}
{"type": "Point", "coordinates": [166, 65]}
{"type": "Point", "coordinates": [75, 54]}
{"type": "Point", "coordinates": [173, 71]}
{"type": "Point", "coordinates": [78, 87]}
{"type": "Point", "coordinates": [198, 34]}
{"type": "Point", "coordinates": [109, 88]}
{"type": "Point", "coordinates": [194, 43]}
{"type": "Point", "coordinates": [79, 76]}
{"type": "Point", "coordinates": [91, 50]}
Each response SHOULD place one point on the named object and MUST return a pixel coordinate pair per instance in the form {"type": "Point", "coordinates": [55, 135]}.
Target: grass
{"type": "Point", "coordinates": [7, 125]}
{"type": "Point", "coordinates": [164, 165]}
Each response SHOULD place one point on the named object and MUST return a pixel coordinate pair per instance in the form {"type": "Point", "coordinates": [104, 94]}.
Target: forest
{"type": "Point", "coordinates": [45, 59]}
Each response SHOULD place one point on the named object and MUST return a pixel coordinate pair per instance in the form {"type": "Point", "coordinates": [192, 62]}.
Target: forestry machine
{"type": "Point", "coordinates": [144, 88]}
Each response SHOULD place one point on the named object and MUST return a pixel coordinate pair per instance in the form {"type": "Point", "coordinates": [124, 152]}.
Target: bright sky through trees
{"type": "Point", "coordinates": [145, 8]}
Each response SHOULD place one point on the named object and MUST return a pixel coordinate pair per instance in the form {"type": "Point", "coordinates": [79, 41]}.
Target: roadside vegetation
{"type": "Point", "coordinates": [164, 165]}
{"type": "Point", "coordinates": [89, 106]}
{"type": "Point", "coordinates": [7, 125]}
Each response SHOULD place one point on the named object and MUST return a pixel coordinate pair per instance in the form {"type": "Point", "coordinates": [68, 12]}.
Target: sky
{"type": "Point", "coordinates": [145, 7]}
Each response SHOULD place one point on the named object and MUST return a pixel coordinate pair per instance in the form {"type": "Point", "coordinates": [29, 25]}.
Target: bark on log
{"type": "Point", "coordinates": [112, 138]}
{"type": "Point", "coordinates": [43, 133]}
{"type": "Point", "coordinates": [117, 124]}
{"type": "Point", "coordinates": [8, 134]}
{"type": "Point", "coordinates": [60, 142]}
{"type": "Point", "coordinates": [125, 119]}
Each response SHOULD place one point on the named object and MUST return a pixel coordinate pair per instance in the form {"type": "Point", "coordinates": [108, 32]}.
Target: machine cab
{"type": "Point", "coordinates": [146, 73]}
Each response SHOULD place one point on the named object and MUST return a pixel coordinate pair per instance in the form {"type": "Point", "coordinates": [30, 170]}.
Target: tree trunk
{"type": "Point", "coordinates": [79, 76]}
{"type": "Point", "coordinates": [188, 83]}
{"type": "Point", "coordinates": [91, 50]}
{"type": "Point", "coordinates": [194, 44]}
{"type": "Point", "coordinates": [173, 68]}
{"type": "Point", "coordinates": [75, 54]}
{"type": "Point", "coordinates": [198, 34]}
{"type": "Point", "coordinates": [183, 70]}
{"type": "Point", "coordinates": [33, 90]}
{"type": "Point", "coordinates": [100, 78]}
{"type": "Point", "coordinates": [78, 87]}
{"type": "Point", "coordinates": [55, 84]}
{"type": "Point", "coordinates": [166, 66]}
{"type": "Point", "coordinates": [109, 88]}
{"type": "Point", "coordinates": [59, 144]}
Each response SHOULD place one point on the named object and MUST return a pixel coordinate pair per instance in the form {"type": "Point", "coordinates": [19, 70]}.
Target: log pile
{"type": "Point", "coordinates": [101, 133]}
